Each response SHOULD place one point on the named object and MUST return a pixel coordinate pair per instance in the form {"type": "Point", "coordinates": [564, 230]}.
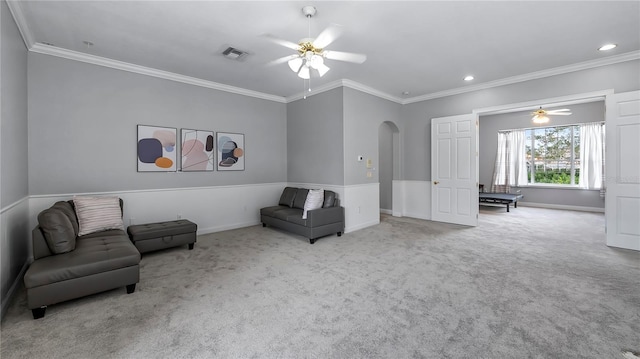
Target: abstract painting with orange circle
{"type": "Point", "coordinates": [230, 151]}
{"type": "Point", "coordinates": [156, 149]}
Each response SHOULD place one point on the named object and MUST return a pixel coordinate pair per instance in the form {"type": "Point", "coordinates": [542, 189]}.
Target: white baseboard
{"type": "Point", "coordinates": [386, 211]}
{"type": "Point", "coordinates": [361, 226]}
{"type": "Point", "coordinates": [215, 229]}
{"type": "Point", "coordinates": [560, 206]}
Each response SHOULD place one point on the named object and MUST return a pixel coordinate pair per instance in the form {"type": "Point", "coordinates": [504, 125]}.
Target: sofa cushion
{"type": "Point", "coordinates": [315, 199]}
{"type": "Point", "coordinates": [301, 198]}
{"type": "Point", "coordinates": [271, 211]}
{"type": "Point", "coordinates": [285, 213]}
{"type": "Point", "coordinates": [287, 197]}
{"type": "Point", "coordinates": [58, 230]}
{"type": "Point", "coordinates": [329, 199]}
{"type": "Point", "coordinates": [92, 255]}
{"type": "Point", "coordinates": [67, 208]}
{"type": "Point", "coordinates": [97, 214]}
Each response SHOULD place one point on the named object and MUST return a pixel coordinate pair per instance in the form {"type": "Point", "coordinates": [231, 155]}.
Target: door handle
{"type": "Point", "coordinates": [435, 182]}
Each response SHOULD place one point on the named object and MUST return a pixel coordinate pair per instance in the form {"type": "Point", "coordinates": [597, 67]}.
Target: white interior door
{"type": "Point", "coordinates": [622, 162]}
{"type": "Point", "coordinates": [454, 169]}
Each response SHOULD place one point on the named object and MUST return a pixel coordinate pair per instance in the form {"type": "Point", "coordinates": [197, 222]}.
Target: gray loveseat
{"type": "Point", "coordinates": [67, 266]}
{"type": "Point", "coordinates": [320, 222]}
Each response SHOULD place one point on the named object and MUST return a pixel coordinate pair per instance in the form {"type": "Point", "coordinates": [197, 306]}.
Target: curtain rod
{"type": "Point", "coordinates": [537, 128]}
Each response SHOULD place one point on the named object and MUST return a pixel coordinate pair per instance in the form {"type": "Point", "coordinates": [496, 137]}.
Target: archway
{"type": "Point", "coordinates": [389, 163]}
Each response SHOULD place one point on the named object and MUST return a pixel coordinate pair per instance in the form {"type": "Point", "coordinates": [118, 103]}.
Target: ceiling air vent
{"type": "Point", "coordinates": [234, 54]}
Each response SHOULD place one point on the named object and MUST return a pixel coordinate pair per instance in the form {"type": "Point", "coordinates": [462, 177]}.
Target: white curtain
{"type": "Point", "coordinates": [511, 162]}
{"type": "Point", "coordinates": [592, 156]}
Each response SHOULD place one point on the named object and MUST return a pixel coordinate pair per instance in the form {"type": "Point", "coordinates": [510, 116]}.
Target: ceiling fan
{"type": "Point", "coordinates": [311, 53]}
{"type": "Point", "coordinates": [542, 116]}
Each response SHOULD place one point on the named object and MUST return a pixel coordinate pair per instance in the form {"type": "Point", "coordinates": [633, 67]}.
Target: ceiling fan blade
{"type": "Point", "coordinates": [281, 42]}
{"type": "Point", "coordinates": [282, 60]}
{"type": "Point", "coordinates": [345, 56]}
{"type": "Point", "coordinates": [559, 113]}
{"type": "Point", "coordinates": [327, 36]}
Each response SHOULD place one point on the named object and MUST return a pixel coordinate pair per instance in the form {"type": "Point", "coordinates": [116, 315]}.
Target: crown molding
{"type": "Point", "coordinates": [610, 60]}
{"type": "Point", "coordinates": [316, 90]}
{"type": "Point", "coordinates": [344, 83]}
{"type": "Point", "coordinates": [16, 11]}
{"type": "Point", "coordinates": [370, 90]}
{"type": "Point", "coordinates": [142, 70]}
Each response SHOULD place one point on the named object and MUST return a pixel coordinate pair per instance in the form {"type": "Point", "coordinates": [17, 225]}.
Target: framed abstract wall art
{"type": "Point", "coordinates": [156, 149]}
{"type": "Point", "coordinates": [197, 150]}
{"type": "Point", "coordinates": [230, 151]}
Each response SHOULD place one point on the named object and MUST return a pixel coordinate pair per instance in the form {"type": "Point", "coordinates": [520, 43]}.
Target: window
{"type": "Point", "coordinates": [553, 155]}
{"type": "Point", "coordinates": [570, 155]}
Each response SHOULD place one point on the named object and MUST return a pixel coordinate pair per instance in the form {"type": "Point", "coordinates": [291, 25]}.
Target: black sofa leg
{"type": "Point", "coordinates": [131, 288]}
{"type": "Point", "coordinates": [38, 312]}
{"type": "Point", "coordinates": [312, 240]}
{"type": "Point", "coordinates": [264, 225]}
{"type": "Point", "coordinates": [191, 246]}
{"type": "Point", "coordinates": [339, 234]}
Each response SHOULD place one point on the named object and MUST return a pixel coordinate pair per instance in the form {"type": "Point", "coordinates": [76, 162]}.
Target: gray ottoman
{"type": "Point", "coordinates": [153, 236]}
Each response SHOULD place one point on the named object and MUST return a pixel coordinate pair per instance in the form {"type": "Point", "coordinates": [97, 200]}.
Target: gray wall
{"type": "Point", "coordinates": [417, 117]}
{"type": "Point", "coordinates": [363, 115]}
{"type": "Point", "coordinates": [82, 128]}
{"type": "Point", "coordinates": [315, 139]}
{"type": "Point", "coordinates": [488, 143]}
{"type": "Point", "coordinates": [14, 112]}
{"type": "Point", "coordinates": [14, 244]}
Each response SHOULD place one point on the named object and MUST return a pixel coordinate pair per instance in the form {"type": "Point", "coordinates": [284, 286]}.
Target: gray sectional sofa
{"type": "Point", "coordinates": [320, 222]}
{"type": "Point", "coordinates": [67, 266]}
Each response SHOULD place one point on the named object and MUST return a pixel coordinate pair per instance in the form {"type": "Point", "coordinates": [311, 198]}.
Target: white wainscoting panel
{"type": "Point", "coordinates": [361, 206]}
{"type": "Point", "coordinates": [213, 209]}
{"type": "Point", "coordinates": [397, 198]}
{"type": "Point", "coordinates": [415, 197]}
{"type": "Point", "coordinates": [15, 248]}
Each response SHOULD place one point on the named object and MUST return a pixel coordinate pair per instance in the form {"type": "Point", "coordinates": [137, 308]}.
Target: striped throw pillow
{"type": "Point", "coordinates": [98, 214]}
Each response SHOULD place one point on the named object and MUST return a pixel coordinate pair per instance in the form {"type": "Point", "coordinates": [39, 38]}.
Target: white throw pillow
{"type": "Point", "coordinates": [315, 199]}
{"type": "Point", "coordinates": [98, 214]}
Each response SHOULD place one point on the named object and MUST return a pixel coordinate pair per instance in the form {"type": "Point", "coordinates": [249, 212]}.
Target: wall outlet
{"type": "Point", "coordinates": [132, 221]}
{"type": "Point", "coordinates": [179, 215]}
{"type": "Point", "coordinates": [358, 209]}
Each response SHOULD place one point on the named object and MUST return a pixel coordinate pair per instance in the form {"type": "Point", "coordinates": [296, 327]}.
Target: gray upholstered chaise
{"type": "Point", "coordinates": [101, 261]}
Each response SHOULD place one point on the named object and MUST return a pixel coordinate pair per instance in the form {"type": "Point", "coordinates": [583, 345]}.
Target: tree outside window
{"type": "Point", "coordinates": [553, 155]}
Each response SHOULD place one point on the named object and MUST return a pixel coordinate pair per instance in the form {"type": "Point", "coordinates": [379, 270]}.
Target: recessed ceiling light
{"type": "Point", "coordinates": [405, 93]}
{"type": "Point", "coordinates": [468, 78]}
{"type": "Point", "coordinates": [607, 47]}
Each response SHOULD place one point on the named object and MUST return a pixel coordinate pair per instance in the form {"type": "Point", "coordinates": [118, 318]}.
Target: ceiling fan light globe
{"type": "Point", "coordinates": [316, 62]}
{"type": "Point", "coordinates": [304, 73]}
{"type": "Point", "coordinates": [540, 119]}
{"type": "Point", "coordinates": [322, 69]}
{"type": "Point", "coordinates": [295, 64]}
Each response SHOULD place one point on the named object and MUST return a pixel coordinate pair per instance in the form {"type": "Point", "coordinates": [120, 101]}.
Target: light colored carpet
{"type": "Point", "coordinates": [532, 283]}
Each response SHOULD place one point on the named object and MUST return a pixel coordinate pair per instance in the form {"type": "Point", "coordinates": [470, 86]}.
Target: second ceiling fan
{"type": "Point", "coordinates": [542, 116]}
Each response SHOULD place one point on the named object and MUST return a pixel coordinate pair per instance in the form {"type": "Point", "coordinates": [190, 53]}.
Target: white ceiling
{"type": "Point", "coordinates": [423, 47]}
